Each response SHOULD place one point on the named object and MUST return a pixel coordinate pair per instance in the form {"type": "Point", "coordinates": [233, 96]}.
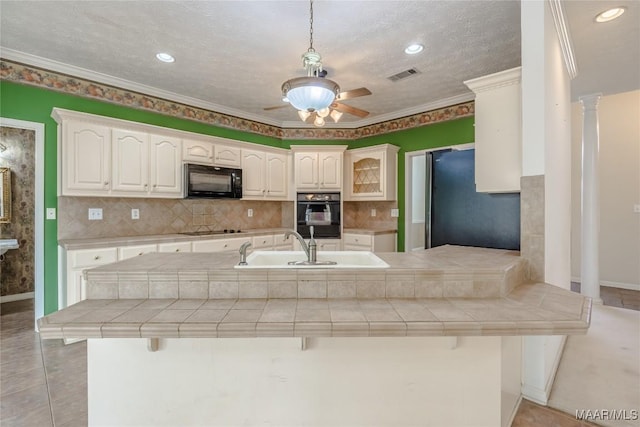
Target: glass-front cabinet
{"type": "Point", "coordinates": [371, 173]}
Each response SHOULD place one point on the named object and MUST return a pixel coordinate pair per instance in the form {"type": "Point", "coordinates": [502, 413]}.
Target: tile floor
{"type": "Point", "coordinates": [44, 383]}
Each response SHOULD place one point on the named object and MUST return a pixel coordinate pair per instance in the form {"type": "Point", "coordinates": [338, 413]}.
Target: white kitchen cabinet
{"type": "Point", "coordinates": [212, 152]}
{"type": "Point", "coordinates": [127, 252]}
{"type": "Point", "coordinates": [196, 151]}
{"type": "Point", "coordinates": [367, 242]}
{"type": "Point", "coordinates": [174, 247]}
{"type": "Point", "coordinates": [318, 167]}
{"type": "Point", "coordinates": [281, 243]}
{"type": "Point", "coordinates": [264, 175]}
{"type": "Point", "coordinates": [130, 161]}
{"type": "Point", "coordinates": [322, 244]}
{"type": "Point", "coordinates": [262, 242]}
{"type": "Point", "coordinates": [370, 173]}
{"type": "Point", "coordinates": [85, 158]}
{"type": "Point", "coordinates": [498, 131]}
{"type": "Point", "coordinates": [165, 167]}
{"type": "Point", "coordinates": [74, 263]}
{"type": "Point", "coordinates": [219, 245]}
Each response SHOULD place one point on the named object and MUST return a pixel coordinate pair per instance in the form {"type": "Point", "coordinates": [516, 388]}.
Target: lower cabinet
{"type": "Point", "coordinates": [174, 247]}
{"type": "Point", "coordinates": [134, 251]}
{"type": "Point", "coordinates": [74, 263]}
{"type": "Point", "coordinates": [219, 245]}
{"type": "Point", "coordinates": [322, 245]}
{"type": "Point", "coordinates": [367, 242]}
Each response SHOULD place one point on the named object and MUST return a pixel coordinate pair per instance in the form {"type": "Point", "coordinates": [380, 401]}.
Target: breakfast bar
{"type": "Point", "coordinates": [435, 338]}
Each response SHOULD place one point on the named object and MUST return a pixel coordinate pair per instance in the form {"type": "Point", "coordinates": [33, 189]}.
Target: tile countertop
{"type": "Point", "coordinates": [525, 309]}
{"type": "Point", "coordinates": [370, 231]}
{"type": "Point", "coordinates": [105, 242]}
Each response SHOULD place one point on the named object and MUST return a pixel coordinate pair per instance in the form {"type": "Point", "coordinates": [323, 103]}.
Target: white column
{"type": "Point", "coordinates": [590, 271]}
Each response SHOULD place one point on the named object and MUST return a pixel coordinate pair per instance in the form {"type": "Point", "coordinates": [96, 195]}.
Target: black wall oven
{"type": "Point", "coordinates": [322, 210]}
{"type": "Point", "coordinates": [212, 182]}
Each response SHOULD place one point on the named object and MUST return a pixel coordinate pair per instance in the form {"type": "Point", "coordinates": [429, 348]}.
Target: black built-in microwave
{"type": "Point", "coordinates": [212, 182]}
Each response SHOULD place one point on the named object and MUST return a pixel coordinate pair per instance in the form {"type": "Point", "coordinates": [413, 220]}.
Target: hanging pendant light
{"type": "Point", "coordinates": [312, 93]}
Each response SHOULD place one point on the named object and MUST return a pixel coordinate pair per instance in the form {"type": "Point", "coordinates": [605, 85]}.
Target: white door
{"type": "Point", "coordinates": [253, 172]}
{"type": "Point", "coordinates": [130, 161]}
{"type": "Point", "coordinates": [276, 175]}
{"type": "Point", "coordinates": [197, 151]}
{"type": "Point", "coordinates": [86, 154]}
{"type": "Point", "coordinates": [330, 165]}
{"type": "Point", "coordinates": [165, 165]}
{"type": "Point", "coordinates": [306, 172]}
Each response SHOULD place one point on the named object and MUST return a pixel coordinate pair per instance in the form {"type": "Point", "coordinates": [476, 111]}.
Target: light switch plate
{"type": "Point", "coordinates": [373, 212]}
{"type": "Point", "coordinates": [95, 214]}
{"type": "Point", "coordinates": [636, 208]}
{"type": "Point", "coordinates": [51, 213]}
{"type": "Point", "coordinates": [135, 213]}
{"type": "Point", "coordinates": [395, 213]}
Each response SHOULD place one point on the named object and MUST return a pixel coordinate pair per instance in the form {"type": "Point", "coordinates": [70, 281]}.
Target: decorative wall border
{"type": "Point", "coordinates": [34, 76]}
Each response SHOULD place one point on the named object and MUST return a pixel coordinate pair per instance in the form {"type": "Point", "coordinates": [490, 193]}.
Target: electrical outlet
{"type": "Point", "coordinates": [249, 213]}
{"type": "Point", "coordinates": [51, 213]}
{"type": "Point", "coordinates": [636, 208]}
{"type": "Point", "coordinates": [395, 213]}
{"type": "Point", "coordinates": [95, 213]}
{"type": "Point", "coordinates": [135, 213]}
{"type": "Point", "coordinates": [373, 212]}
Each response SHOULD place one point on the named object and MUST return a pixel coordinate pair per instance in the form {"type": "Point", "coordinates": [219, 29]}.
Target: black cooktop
{"type": "Point", "coordinates": [210, 232]}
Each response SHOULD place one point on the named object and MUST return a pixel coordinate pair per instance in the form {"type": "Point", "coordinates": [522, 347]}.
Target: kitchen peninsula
{"type": "Point", "coordinates": [435, 339]}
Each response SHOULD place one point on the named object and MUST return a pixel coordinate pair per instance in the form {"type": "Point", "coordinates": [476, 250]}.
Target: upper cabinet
{"type": "Point", "coordinates": [264, 175]}
{"type": "Point", "coordinates": [498, 131]}
{"type": "Point", "coordinates": [211, 153]}
{"type": "Point", "coordinates": [370, 173]}
{"type": "Point", "coordinates": [85, 162]}
{"type": "Point", "coordinates": [318, 167]}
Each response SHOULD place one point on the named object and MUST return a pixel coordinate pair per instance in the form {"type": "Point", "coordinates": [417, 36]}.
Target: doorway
{"type": "Point", "coordinates": [37, 160]}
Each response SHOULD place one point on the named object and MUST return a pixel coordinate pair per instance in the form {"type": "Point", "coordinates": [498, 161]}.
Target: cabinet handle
{"type": "Point", "coordinates": [97, 257]}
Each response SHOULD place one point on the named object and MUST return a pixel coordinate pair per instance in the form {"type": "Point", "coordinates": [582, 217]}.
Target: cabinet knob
{"type": "Point", "coordinates": [177, 250]}
{"type": "Point", "coordinates": [97, 257]}
{"type": "Point", "coordinates": [106, 183]}
{"type": "Point", "coordinates": [225, 245]}
{"type": "Point", "coordinates": [155, 185]}
{"type": "Point", "coordinates": [145, 186]}
{"type": "Point", "coordinates": [140, 253]}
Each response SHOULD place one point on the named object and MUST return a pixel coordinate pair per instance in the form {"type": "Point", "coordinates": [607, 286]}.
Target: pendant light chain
{"type": "Point", "coordinates": [311, 49]}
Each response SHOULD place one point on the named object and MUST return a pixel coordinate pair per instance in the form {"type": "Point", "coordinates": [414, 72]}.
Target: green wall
{"type": "Point", "coordinates": [33, 104]}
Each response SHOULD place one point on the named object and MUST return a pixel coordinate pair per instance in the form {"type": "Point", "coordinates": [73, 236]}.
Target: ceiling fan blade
{"type": "Point", "coordinates": [275, 107]}
{"type": "Point", "coordinates": [363, 91]}
{"type": "Point", "coordinates": [343, 108]}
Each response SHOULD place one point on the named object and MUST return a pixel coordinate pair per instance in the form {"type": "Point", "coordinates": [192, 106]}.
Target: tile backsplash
{"type": "Point", "coordinates": [166, 216]}
{"type": "Point", "coordinates": [358, 215]}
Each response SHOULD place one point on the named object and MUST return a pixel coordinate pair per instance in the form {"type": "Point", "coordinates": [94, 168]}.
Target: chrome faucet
{"type": "Point", "coordinates": [243, 253]}
{"type": "Point", "coordinates": [305, 248]}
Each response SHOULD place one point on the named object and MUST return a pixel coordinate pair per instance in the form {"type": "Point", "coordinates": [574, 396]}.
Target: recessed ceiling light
{"type": "Point", "coordinates": [412, 49]}
{"type": "Point", "coordinates": [165, 57]}
{"type": "Point", "coordinates": [610, 14]}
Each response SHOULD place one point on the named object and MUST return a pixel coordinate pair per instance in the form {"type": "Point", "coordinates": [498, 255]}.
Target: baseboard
{"type": "Point", "coordinates": [17, 297]}
{"type": "Point", "coordinates": [619, 285]}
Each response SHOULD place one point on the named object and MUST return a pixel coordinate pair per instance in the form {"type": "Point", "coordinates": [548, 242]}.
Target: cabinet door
{"type": "Point", "coordinates": [219, 245]}
{"type": "Point", "coordinates": [86, 167]}
{"type": "Point", "coordinates": [227, 156]}
{"type": "Point", "coordinates": [276, 175]}
{"type": "Point", "coordinates": [330, 166]}
{"type": "Point", "coordinates": [329, 244]}
{"type": "Point", "coordinates": [76, 287]}
{"type": "Point", "coordinates": [367, 175]}
{"type": "Point", "coordinates": [306, 172]}
{"type": "Point", "coordinates": [165, 165]}
{"type": "Point", "coordinates": [197, 151]}
{"type": "Point", "coordinates": [134, 251]}
{"type": "Point", "coordinates": [253, 172]}
{"type": "Point", "coordinates": [174, 247]}
{"type": "Point", "coordinates": [130, 161]}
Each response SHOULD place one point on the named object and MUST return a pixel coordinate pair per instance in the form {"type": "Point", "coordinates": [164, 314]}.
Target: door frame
{"type": "Point", "coordinates": [408, 173]}
{"type": "Point", "coordinates": [38, 128]}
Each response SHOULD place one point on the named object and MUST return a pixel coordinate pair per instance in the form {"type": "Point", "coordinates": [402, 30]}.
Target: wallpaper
{"type": "Point", "coordinates": [17, 269]}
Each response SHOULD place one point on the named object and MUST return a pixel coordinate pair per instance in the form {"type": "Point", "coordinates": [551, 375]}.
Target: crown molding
{"type": "Point", "coordinates": [564, 36]}
{"type": "Point", "coordinates": [496, 80]}
{"type": "Point", "coordinates": [83, 73]}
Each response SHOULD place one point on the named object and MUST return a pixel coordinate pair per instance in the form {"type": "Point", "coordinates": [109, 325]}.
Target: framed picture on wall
{"type": "Point", "coordinates": [5, 195]}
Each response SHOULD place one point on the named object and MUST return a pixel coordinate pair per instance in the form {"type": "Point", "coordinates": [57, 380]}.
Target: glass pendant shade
{"type": "Point", "coordinates": [310, 93]}
{"type": "Point", "coordinates": [335, 115]}
{"type": "Point", "coordinates": [319, 121]}
{"type": "Point", "coordinates": [303, 114]}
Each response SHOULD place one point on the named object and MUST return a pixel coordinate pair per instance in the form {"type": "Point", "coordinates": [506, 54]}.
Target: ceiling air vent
{"type": "Point", "coordinates": [403, 74]}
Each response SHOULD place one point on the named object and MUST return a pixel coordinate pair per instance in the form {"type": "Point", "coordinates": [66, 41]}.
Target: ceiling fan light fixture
{"type": "Point", "coordinates": [610, 14]}
{"type": "Point", "coordinates": [304, 115]}
{"type": "Point", "coordinates": [310, 93]}
{"type": "Point", "coordinates": [335, 115]}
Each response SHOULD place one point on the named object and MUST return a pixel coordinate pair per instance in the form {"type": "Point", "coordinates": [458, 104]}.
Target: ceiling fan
{"type": "Point", "coordinates": [314, 96]}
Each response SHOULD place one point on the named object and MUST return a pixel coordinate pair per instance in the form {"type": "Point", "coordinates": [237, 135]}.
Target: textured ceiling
{"type": "Point", "coordinates": [232, 56]}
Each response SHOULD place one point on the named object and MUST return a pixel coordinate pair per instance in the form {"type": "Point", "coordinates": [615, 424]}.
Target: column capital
{"type": "Point", "coordinates": [590, 102]}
